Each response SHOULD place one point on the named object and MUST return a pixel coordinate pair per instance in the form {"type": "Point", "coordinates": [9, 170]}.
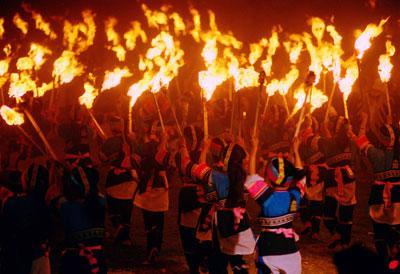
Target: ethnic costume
{"type": "Point", "coordinates": [384, 200]}
{"type": "Point", "coordinates": [152, 195]}
{"type": "Point", "coordinates": [230, 239]}
{"type": "Point", "coordinates": [279, 199]}
{"type": "Point", "coordinates": [315, 167]}
{"type": "Point", "coordinates": [25, 222]}
{"type": "Point", "coordinates": [120, 187]}
{"type": "Point", "coordinates": [189, 206]}
{"type": "Point", "coordinates": [340, 185]}
{"type": "Point", "coordinates": [82, 212]}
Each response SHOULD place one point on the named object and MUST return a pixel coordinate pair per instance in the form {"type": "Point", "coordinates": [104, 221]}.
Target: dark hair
{"type": "Point", "coordinates": [148, 164]}
{"type": "Point", "coordinates": [236, 175]}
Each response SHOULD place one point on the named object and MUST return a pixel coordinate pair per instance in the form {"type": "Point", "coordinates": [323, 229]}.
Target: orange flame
{"type": "Point", "coordinates": [25, 63]}
{"type": "Point", "coordinates": [179, 25]}
{"type": "Point", "coordinates": [87, 98]}
{"type": "Point", "coordinates": [79, 37]}
{"type": "Point", "coordinates": [37, 53]}
{"type": "Point", "coordinates": [317, 28]}
{"type": "Point", "coordinates": [1, 27]}
{"type": "Point", "coordinates": [156, 19]}
{"type": "Point", "coordinates": [40, 23]}
{"type": "Point", "coordinates": [293, 47]}
{"type": "Point", "coordinates": [113, 38]}
{"type": "Point", "coordinates": [66, 67]}
{"type": "Point", "coordinates": [273, 44]}
{"type": "Point", "coordinates": [288, 81]}
{"type": "Point", "coordinates": [385, 66]}
{"type": "Point", "coordinates": [346, 83]}
{"type": "Point", "coordinates": [256, 50]}
{"type": "Point", "coordinates": [11, 116]}
{"type": "Point", "coordinates": [363, 41]}
{"type": "Point", "coordinates": [133, 34]}
{"type": "Point", "coordinates": [20, 84]}
{"type": "Point", "coordinates": [20, 23]}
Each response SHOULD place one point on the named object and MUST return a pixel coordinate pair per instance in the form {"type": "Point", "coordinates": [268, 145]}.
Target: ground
{"type": "Point", "coordinates": [316, 258]}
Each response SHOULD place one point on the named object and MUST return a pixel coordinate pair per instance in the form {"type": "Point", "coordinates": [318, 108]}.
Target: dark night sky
{"type": "Point", "coordinates": [248, 19]}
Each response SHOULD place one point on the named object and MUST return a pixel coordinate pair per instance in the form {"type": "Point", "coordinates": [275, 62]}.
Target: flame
{"type": "Point", "coordinates": [45, 87]}
{"type": "Point", "coordinates": [20, 23]}
{"type": "Point", "coordinates": [385, 66]}
{"type": "Point", "coordinates": [317, 28]}
{"type": "Point", "coordinates": [79, 37]}
{"type": "Point", "coordinates": [210, 51]}
{"type": "Point", "coordinates": [273, 45]}
{"type": "Point", "coordinates": [113, 37]}
{"type": "Point", "coordinates": [196, 31]}
{"type": "Point", "coordinates": [25, 63]}
{"type": "Point", "coordinates": [1, 27]}
{"type": "Point", "coordinates": [256, 50]}
{"type": "Point", "coordinates": [293, 47]}
{"type": "Point", "coordinates": [37, 53]}
{"type": "Point", "coordinates": [209, 80]}
{"type": "Point", "coordinates": [20, 84]}
{"type": "Point", "coordinates": [363, 41]}
{"type": "Point", "coordinates": [346, 83]}
{"type": "Point", "coordinates": [318, 98]}
{"type": "Point", "coordinates": [245, 77]}
{"type": "Point", "coordinates": [179, 25]}
{"type": "Point", "coordinates": [272, 87]}
{"type": "Point", "coordinates": [66, 67]}
{"type": "Point", "coordinates": [11, 116]}
{"type": "Point", "coordinates": [288, 81]}
{"type": "Point", "coordinates": [87, 98]}
{"type": "Point", "coordinates": [316, 62]}
{"type": "Point", "coordinates": [4, 65]}
{"type": "Point", "coordinates": [155, 19]}
{"type": "Point", "coordinates": [113, 78]}
{"type": "Point", "coordinates": [337, 38]}
{"type": "Point", "coordinates": [133, 34]}
{"type": "Point", "coordinates": [137, 89]}
{"type": "Point", "coordinates": [40, 23]}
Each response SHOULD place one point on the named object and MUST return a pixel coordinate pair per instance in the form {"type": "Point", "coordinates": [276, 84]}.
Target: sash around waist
{"type": "Point", "coordinates": [276, 221]}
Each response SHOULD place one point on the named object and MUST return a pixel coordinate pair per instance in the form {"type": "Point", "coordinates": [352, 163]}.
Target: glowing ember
{"type": "Point", "coordinates": [385, 66]}
{"type": "Point", "coordinates": [113, 78]}
{"type": "Point", "coordinates": [20, 23]}
{"type": "Point", "coordinates": [363, 41]}
{"type": "Point", "coordinates": [66, 67]}
{"type": "Point", "coordinates": [11, 116]}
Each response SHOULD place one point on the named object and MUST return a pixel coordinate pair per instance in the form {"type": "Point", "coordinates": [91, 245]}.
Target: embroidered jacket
{"type": "Point", "coordinates": [278, 209]}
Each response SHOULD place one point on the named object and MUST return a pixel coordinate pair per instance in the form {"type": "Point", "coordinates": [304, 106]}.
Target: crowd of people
{"type": "Point", "coordinates": [308, 178]}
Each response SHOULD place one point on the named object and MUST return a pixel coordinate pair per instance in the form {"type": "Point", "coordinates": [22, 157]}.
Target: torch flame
{"type": "Point", "coordinates": [363, 41]}
{"type": "Point", "coordinates": [40, 23]}
{"type": "Point", "coordinates": [346, 83]}
{"type": "Point", "coordinates": [87, 98]}
{"type": "Point", "coordinates": [25, 63]}
{"type": "Point", "coordinates": [20, 23]}
{"type": "Point", "coordinates": [37, 53]}
{"type": "Point", "coordinates": [133, 34]}
{"type": "Point", "coordinates": [79, 37]}
{"type": "Point", "coordinates": [113, 78]}
{"type": "Point", "coordinates": [1, 27]}
{"type": "Point", "coordinates": [385, 66]}
{"type": "Point", "coordinates": [66, 67]}
{"type": "Point", "coordinates": [294, 47]}
{"type": "Point", "coordinates": [11, 116]}
{"type": "Point", "coordinates": [273, 44]}
{"type": "Point", "coordinates": [20, 84]}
